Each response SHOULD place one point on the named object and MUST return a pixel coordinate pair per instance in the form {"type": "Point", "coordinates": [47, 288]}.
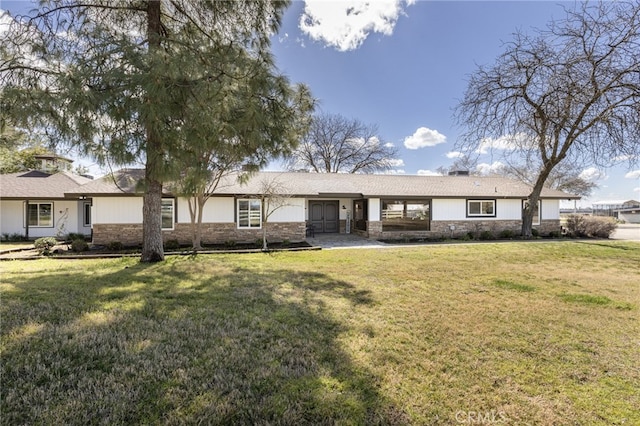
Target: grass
{"type": "Point", "coordinates": [10, 245]}
{"type": "Point", "coordinates": [526, 333]}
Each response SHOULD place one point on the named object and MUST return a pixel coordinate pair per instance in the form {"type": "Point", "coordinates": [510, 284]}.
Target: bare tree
{"type": "Point", "coordinates": [273, 195]}
{"type": "Point", "coordinates": [335, 144]}
{"type": "Point", "coordinates": [564, 177]}
{"type": "Point", "coordinates": [570, 92]}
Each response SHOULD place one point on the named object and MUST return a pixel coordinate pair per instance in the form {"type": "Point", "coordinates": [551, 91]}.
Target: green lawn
{"type": "Point", "coordinates": [10, 245]}
{"type": "Point", "coordinates": [517, 333]}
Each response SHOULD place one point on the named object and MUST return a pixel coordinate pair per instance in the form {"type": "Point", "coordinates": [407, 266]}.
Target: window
{"type": "Point", "coordinates": [40, 215]}
{"type": "Point", "coordinates": [536, 212]}
{"type": "Point", "coordinates": [86, 209]}
{"type": "Point", "coordinates": [167, 213]}
{"type": "Point", "coordinates": [485, 208]}
{"type": "Point", "coordinates": [249, 213]}
{"type": "Point", "coordinates": [405, 215]}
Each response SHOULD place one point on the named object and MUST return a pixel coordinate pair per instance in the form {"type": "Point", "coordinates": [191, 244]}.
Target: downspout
{"type": "Point", "coordinates": [26, 221]}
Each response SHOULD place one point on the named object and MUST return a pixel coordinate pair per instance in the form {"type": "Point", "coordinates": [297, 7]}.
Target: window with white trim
{"type": "Point", "coordinates": [536, 211]}
{"type": "Point", "coordinates": [481, 208]}
{"type": "Point", "coordinates": [167, 213]}
{"type": "Point", "coordinates": [249, 213]}
{"type": "Point", "coordinates": [40, 215]}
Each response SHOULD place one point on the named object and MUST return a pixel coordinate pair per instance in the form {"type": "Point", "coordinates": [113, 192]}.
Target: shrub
{"type": "Point", "coordinates": [79, 244]}
{"type": "Point", "coordinates": [16, 237]}
{"type": "Point", "coordinates": [464, 237]}
{"type": "Point", "coordinates": [115, 245]}
{"type": "Point", "coordinates": [555, 234]}
{"type": "Point", "coordinates": [486, 235]}
{"type": "Point", "coordinates": [590, 226]}
{"type": "Point", "coordinates": [72, 236]}
{"type": "Point", "coordinates": [230, 243]}
{"type": "Point", "coordinates": [535, 232]}
{"type": "Point", "coordinates": [44, 245]}
{"type": "Point", "coordinates": [172, 244]}
{"type": "Point", "coordinates": [507, 234]}
{"type": "Point", "coordinates": [600, 227]}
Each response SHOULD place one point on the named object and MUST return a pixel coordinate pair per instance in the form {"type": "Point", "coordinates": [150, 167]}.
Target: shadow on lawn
{"type": "Point", "coordinates": [187, 341]}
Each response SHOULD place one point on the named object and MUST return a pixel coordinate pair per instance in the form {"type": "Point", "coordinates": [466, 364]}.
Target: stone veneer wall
{"type": "Point", "coordinates": [441, 228]}
{"type": "Point", "coordinates": [212, 233]}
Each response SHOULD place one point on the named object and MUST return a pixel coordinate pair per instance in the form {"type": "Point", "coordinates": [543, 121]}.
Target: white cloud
{"type": "Point", "coordinates": [636, 189]}
{"type": "Point", "coordinates": [424, 137]}
{"type": "Point", "coordinates": [396, 162]}
{"type": "Point", "coordinates": [428, 173]}
{"type": "Point", "coordinates": [345, 25]}
{"type": "Point", "coordinates": [489, 169]}
{"type": "Point", "coordinates": [389, 145]}
{"type": "Point", "coordinates": [5, 21]}
{"type": "Point", "coordinates": [454, 154]}
{"type": "Point", "coordinates": [505, 143]}
{"type": "Point", "coordinates": [592, 174]}
{"type": "Point", "coordinates": [394, 172]}
{"type": "Point", "coordinates": [635, 174]}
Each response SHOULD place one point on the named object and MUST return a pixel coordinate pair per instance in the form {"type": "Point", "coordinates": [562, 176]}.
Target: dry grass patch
{"type": "Point", "coordinates": [527, 333]}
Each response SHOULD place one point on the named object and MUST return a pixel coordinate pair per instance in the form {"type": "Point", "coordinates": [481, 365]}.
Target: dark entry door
{"type": "Point", "coordinates": [324, 216]}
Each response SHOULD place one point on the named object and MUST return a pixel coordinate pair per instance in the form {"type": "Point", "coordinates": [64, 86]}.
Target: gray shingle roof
{"type": "Point", "coordinates": [38, 185]}
{"type": "Point", "coordinates": [333, 185]}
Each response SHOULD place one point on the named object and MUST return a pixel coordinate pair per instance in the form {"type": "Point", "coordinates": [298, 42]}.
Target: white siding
{"type": "Point", "coordinates": [292, 211]}
{"type": "Point", "coordinates": [506, 209]}
{"type": "Point", "coordinates": [509, 209]}
{"type": "Point", "coordinates": [448, 209]}
{"type": "Point", "coordinates": [117, 210]}
{"type": "Point", "coordinates": [374, 209]}
{"type": "Point", "coordinates": [11, 217]}
{"type": "Point", "coordinates": [67, 217]}
{"type": "Point", "coordinates": [550, 209]}
{"type": "Point", "coordinates": [216, 210]}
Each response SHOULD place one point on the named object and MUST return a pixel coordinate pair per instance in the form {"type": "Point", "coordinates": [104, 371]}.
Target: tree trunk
{"type": "Point", "coordinates": [527, 212]}
{"type": "Point", "coordinates": [197, 236]}
{"type": "Point", "coordinates": [152, 249]}
{"type": "Point", "coordinates": [265, 217]}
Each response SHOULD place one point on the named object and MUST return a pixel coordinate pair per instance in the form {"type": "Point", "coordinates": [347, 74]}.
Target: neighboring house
{"type": "Point", "coordinates": [374, 206]}
{"type": "Point", "coordinates": [628, 215]}
{"type": "Point", "coordinates": [52, 163]}
{"type": "Point", "coordinates": [33, 204]}
{"type": "Point", "coordinates": [612, 207]}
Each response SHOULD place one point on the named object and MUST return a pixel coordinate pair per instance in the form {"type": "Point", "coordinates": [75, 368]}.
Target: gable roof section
{"type": "Point", "coordinates": [38, 185]}
{"type": "Point", "coordinates": [126, 182]}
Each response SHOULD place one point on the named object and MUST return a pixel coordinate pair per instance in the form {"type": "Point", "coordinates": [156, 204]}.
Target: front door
{"type": "Point", "coordinates": [324, 216]}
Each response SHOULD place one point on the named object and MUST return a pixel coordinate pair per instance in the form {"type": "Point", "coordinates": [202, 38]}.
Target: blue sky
{"type": "Point", "coordinates": [403, 66]}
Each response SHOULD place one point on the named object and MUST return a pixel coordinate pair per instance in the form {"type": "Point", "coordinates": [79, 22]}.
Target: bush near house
{"type": "Point", "coordinates": [79, 244]}
{"type": "Point", "coordinates": [590, 226]}
{"type": "Point", "coordinates": [44, 245]}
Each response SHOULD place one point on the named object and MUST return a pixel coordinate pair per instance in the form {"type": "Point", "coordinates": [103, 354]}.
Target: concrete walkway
{"type": "Point", "coordinates": [624, 232]}
{"type": "Point", "coordinates": [627, 231]}
{"type": "Point", "coordinates": [337, 241]}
